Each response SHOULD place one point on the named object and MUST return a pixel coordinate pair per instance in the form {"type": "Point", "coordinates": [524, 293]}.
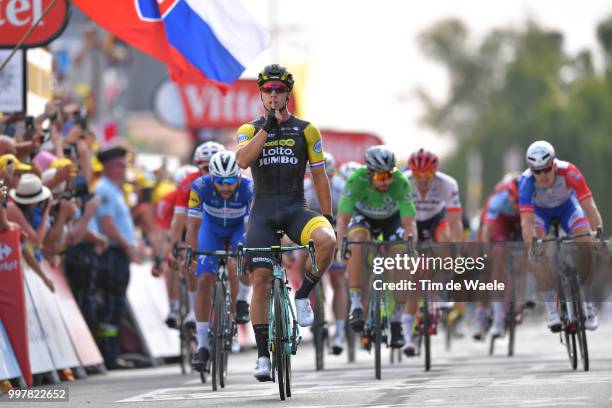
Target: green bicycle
{"type": "Point", "coordinates": [284, 334]}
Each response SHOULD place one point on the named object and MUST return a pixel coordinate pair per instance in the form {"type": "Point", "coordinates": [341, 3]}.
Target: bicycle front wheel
{"type": "Point", "coordinates": [511, 319]}
{"type": "Point", "coordinates": [377, 333]}
{"type": "Point", "coordinates": [279, 333]}
{"type": "Point", "coordinates": [581, 334]}
{"type": "Point", "coordinates": [217, 337]}
{"type": "Point", "coordinates": [319, 328]}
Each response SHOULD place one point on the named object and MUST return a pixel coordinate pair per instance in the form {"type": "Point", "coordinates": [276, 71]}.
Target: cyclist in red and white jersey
{"type": "Point", "coordinates": [438, 217]}
{"type": "Point", "coordinates": [201, 158]}
{"type": "Point", "coordinates": [552, 189]}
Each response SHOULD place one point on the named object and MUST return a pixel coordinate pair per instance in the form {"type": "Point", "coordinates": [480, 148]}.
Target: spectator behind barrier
{"type": "Point", "coordinates": [29, 209]}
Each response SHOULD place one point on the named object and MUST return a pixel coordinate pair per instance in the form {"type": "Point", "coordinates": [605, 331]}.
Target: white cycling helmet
{"type": "Point", "coordinates": [347, 168]}
{"type": "Point", "coordinates": [380, 158]}
{"type": "Point", "coordinates": [223, 164]}
{"type": "Point", "coordinates": [183, 172]}
{"type": "Point", "coordinates": [205, 152]}
{"type": "Point", "coordinates": [540, 154]}
{"type": "Point", "coordinates": [330, 164]}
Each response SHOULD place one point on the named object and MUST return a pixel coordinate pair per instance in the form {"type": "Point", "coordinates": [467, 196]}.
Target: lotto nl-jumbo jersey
{"type": "Point", "coordinates": [443, 194]}
{"type": "Point", "coordinates": [568, 181]}
{"type": "Point", "coordinates": [205, 201]}
{"type": "Point", "coordinates": [312, 201]}
{"type": "Point", "coordinates": [360, 196]}
{"type": "Point", "coordinates": [281, 165]}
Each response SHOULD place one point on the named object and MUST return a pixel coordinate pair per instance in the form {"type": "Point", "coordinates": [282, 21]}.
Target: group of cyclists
{"type": "Point", "coordinates": [215, 203]}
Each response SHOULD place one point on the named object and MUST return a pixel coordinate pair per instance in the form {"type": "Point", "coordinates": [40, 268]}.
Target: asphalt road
{"type": "Point", "coordinates": [539, 375]}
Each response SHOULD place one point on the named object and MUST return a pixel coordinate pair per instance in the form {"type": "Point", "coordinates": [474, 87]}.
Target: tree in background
{"type": "Point", "coordinates": [518, 86]}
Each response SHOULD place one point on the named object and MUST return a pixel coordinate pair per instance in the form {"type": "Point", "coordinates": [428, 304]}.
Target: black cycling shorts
{"type": "Point", "coordinates": [270, 213]}
{"type": "Point", "coordinates": [428, 230]}
{"type": "Point", "coordinates": [390, 228]}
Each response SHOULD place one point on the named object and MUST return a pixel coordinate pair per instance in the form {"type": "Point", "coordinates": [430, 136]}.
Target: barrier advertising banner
{"type": "Point", "coordinates": [84, 343]}
{"type": "Point", "coordinates": [148, 301]}
{"type": "Point", "coordinates": [9, 368]}
{"type": "Point", "coordinates": [54, 331]}
{"type": "Point", "coordinates": [12, 300]}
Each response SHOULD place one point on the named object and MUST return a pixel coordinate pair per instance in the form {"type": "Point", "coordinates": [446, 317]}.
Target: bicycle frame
{"type": "Point", "coordinates": [281, 313]}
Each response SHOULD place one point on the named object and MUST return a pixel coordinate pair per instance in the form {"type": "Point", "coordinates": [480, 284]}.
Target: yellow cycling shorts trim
{"type": "Point", "coordinates": [357, 229]}
{"type": "Point", "coordinates": [315, 222]}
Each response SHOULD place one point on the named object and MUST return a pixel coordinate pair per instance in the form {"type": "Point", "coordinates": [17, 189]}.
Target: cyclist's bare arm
{"type": "Point", "coordinates": [322, 188]}
{"type": "Point", "coordinates": [592, 212]}
{"type": "Point", "coordinates": [456, 226]}
{"type": "Point", "coordinates": [248, 153]}
{"type": "Point", "coordinates": [177, 227]}
{"type": "Point", "coordinates": [342, 226]}
{"type": "Point", "coordinates": [409, 228]}
{"type": "Point", "coordinates": [193, 229]}
{"type": "Point", "coordinates": [486, 231]}
{"type": "Point", "coordinates": [527, 227]}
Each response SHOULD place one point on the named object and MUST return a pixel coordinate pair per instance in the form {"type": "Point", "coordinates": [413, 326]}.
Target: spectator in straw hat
{"type": "Point", "coordinates": [29, 208]}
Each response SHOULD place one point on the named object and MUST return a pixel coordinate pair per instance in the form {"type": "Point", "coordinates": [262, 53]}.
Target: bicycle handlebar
{"type": "Point", "coordinates": [346, 251]}
{"type": "Point", "coordinates": [277, 249]}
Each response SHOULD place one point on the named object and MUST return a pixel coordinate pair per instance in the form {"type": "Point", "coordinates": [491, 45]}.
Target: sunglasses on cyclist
{"type": "Point", "coordinates": [382, 175]}
{"type": "Point", "coordinates": [423, 174]}
{"type": "Point", "coordinates": [544, 170]}
{"type": "Point", "coordinates": [225, 180]}
{"type": "Point", "coordinates": [279, 89]}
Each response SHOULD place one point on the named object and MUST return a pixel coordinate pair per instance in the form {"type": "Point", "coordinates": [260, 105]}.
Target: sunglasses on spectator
{"type": "Point", "coordinates": [423, 174]}
{"type": "Point", "coordinates": [382, 175]}
{"type": "Point", "coordinates": [225, 180]}
{"type": "Point", "coordinates": [544, 170]}
{"type": "Point", "coordinates": [278, 89]}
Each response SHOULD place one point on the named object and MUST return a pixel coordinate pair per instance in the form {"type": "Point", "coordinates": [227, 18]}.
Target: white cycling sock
{"type": "Point", "coordinates": [192, 300]}
{"type": "Point", "coordinates": [174, 305]}
{"type": "Point", "coordinates": [340, 328]}
{"type": "Point", "coordinates": [498, 312]}
{"type": "Point", "coordinates": [407, 319]}
{"type": "Point", "coordinates": [202, 334]}
{"type": "Point", "coordinates": [355, 296]}
{"type": "Point", "coordinates": [243, 292]}
{"type": "Point", "coordinates": [550, 300]}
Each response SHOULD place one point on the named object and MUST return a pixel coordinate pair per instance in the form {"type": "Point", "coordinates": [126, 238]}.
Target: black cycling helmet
{"type": "Point", "coordinates": [275, 72]}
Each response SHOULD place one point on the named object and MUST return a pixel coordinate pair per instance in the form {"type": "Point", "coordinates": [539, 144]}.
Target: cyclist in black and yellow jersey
{"type": "Point", "coordinates": [277, 148]}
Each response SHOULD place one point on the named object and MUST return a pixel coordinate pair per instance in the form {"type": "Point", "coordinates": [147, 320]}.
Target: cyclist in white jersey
{"type": "Point", "coordinates": [438, 216]}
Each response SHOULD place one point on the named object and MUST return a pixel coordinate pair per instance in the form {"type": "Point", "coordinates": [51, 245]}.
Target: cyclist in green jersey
{"type": "Point", "coordinates": [376, 200]}
{"type": "Point", "coordinates": [278, 147]}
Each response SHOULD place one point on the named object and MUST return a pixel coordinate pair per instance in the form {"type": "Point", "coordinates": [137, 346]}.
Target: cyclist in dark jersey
{"type": "Point", "coordinates": [277, 148]}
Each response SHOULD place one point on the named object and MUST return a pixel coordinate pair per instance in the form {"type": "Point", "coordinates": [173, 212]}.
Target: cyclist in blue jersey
{"type": "Point", "coordinates": [218, 206]}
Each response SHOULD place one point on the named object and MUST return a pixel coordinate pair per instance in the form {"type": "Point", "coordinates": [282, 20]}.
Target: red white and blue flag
{"type": "Point", "coordinates": [216, 39]}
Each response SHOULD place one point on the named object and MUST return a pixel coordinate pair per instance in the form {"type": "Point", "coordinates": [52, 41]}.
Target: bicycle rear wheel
{"type": "Point", "coordinates": [279, 346]}
{"type": "Point", "coordinates": [377, 333]}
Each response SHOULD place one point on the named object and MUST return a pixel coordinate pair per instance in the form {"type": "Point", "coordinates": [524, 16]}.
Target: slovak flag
{"type": "Point", "coordinates": [215, 39]}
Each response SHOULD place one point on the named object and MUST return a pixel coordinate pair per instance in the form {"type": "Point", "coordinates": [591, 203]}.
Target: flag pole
{"type": "Point", "coordinates": [25, 37]}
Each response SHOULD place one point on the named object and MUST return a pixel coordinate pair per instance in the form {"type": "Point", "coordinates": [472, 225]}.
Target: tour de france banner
{"type": "Point", "coordinates": [467, 272]}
